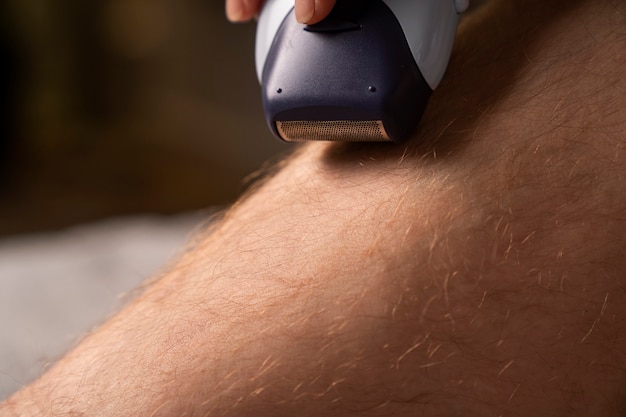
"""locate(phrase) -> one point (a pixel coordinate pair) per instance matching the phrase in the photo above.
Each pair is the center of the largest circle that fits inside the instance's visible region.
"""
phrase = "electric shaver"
(365, 73)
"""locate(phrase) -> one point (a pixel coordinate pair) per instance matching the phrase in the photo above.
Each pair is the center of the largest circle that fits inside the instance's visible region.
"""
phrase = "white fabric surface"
(55, 287)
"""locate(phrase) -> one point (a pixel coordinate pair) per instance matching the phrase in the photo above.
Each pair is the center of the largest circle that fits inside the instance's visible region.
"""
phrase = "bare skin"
(476, 271)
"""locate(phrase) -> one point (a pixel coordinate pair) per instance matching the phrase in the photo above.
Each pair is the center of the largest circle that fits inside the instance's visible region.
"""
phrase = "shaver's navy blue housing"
(356, 65)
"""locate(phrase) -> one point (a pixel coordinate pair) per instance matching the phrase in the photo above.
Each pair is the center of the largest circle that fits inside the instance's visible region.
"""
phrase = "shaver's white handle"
(429, 27)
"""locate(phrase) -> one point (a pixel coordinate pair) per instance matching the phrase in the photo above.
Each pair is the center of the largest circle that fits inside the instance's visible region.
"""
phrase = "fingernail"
(305, 10)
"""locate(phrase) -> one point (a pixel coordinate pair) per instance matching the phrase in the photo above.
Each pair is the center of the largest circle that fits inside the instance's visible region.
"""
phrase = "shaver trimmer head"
(365, 73)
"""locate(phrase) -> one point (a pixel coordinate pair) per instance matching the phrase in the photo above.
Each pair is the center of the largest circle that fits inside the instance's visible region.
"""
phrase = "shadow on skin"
(489, 54)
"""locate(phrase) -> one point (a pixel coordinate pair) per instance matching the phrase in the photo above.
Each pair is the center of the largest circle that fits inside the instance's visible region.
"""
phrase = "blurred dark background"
(116, 107)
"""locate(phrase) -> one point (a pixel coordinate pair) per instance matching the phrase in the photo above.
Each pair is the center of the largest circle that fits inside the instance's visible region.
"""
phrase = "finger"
(235, 10)
(312, 11)
(242, 10)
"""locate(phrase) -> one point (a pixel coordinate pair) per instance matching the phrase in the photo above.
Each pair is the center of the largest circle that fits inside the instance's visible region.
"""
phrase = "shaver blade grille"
(333, 130)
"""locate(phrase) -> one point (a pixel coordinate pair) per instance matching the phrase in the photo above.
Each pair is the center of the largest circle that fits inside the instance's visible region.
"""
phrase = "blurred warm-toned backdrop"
(115, 107)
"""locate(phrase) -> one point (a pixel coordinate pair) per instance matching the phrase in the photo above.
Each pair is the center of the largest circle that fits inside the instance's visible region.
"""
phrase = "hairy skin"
(476, 271)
